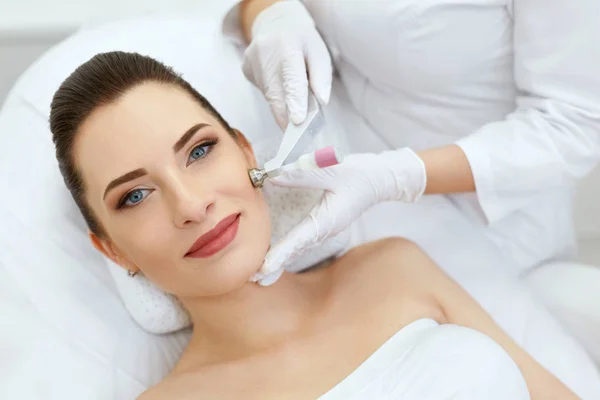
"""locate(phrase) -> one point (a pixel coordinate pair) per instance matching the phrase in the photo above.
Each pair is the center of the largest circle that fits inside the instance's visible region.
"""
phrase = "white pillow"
(43, 244)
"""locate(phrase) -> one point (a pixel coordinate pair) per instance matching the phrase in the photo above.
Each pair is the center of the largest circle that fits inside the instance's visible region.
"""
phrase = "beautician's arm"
(448, 170)
(552, 137)
(460, 309)
(249, 9)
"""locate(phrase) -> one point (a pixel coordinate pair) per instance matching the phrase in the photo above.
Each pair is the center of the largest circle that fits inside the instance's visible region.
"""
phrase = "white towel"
(427, 361)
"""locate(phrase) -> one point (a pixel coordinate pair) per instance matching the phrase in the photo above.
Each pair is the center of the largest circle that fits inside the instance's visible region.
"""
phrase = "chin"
(250, 263)
(234, 266)
(237, 267)
(249, 254)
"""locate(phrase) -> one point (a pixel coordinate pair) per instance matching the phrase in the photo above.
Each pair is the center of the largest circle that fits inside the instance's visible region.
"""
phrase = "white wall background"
(60, 13)
(29, 27)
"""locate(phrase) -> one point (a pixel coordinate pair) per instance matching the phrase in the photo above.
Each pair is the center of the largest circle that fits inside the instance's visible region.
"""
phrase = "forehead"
(135, 129)
(152, 110)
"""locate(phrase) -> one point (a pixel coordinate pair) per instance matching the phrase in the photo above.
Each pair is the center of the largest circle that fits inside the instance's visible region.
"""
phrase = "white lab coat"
(515, 83)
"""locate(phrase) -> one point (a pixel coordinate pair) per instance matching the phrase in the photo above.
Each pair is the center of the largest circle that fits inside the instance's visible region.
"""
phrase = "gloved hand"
(285, 47)
(351, 187)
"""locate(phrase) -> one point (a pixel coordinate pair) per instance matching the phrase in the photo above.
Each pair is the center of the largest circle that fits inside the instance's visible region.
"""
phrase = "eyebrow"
(137, 173)
(125, 178)
(187, 136)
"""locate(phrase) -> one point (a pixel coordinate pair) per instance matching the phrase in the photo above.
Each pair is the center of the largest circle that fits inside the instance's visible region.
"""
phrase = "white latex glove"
(287, 54)
(352, 187)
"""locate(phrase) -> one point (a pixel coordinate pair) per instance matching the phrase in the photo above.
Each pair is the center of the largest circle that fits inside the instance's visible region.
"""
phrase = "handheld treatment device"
(291, 154)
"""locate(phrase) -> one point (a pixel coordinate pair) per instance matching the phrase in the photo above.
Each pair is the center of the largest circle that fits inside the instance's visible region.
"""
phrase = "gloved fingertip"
(321, 74)
(297, 112)
(283, 123)
(270, 279)
(247, 70)
(323, 96)
(270, 265)
(256, 277)
(298, 117)
(280, 181)
(291, 178)
(280, 118)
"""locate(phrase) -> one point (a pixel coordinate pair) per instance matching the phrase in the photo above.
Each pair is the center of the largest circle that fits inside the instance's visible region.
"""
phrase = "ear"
(246, 148)
(107, 248)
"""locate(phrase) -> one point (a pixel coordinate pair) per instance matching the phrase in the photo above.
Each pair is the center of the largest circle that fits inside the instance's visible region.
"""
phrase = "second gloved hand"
(285, 57)
(352, 187)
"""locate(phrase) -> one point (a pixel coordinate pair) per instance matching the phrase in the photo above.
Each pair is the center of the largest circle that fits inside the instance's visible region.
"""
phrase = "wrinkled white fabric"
(425, 360)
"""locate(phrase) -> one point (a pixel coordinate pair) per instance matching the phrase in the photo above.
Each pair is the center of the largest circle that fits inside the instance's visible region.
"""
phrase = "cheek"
(151, 249)
(252, 197)
(235, 181)
(260, 223)
(255, 208)
(147, 244)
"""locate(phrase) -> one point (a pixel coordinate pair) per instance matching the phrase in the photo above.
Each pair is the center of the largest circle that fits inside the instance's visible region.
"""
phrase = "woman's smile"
(216, 239)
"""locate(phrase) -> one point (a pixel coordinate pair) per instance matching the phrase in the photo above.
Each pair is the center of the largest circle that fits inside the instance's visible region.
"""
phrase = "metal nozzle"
(257, 177)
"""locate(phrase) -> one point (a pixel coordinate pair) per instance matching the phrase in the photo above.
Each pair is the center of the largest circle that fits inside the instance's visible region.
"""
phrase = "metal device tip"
(257, 177)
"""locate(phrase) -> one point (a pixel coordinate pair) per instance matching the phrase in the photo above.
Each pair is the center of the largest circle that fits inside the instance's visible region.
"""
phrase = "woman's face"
(160, 174)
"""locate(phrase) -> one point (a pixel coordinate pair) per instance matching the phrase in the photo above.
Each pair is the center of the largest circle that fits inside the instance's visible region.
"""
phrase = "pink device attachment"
(321, 158)
(327, 156)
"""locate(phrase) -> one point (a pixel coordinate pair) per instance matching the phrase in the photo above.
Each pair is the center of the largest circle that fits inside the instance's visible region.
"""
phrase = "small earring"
(132, 273)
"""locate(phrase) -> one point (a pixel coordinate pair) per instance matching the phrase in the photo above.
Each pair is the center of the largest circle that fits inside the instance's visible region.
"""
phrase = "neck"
(254, 318)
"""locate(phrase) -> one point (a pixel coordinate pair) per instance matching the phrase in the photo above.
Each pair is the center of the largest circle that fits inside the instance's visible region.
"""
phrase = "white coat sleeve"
(553, 136)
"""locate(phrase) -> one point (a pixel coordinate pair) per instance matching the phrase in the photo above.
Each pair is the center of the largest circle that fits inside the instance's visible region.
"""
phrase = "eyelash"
(208, 144)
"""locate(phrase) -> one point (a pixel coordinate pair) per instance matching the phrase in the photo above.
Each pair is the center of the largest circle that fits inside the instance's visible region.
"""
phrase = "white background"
(20, 14)
(29, 27)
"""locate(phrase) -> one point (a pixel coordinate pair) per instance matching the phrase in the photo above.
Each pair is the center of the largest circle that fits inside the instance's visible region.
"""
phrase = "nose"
(190, 206)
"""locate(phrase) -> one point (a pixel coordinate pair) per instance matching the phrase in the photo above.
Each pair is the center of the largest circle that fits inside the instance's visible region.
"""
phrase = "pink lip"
(216, 239)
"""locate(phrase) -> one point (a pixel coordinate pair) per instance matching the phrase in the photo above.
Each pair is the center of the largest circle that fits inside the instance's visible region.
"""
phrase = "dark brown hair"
(102, 80)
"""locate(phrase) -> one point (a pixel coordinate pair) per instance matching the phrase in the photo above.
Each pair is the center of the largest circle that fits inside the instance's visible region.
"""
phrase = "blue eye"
(198, 152)
(134, 197)
(201, 151)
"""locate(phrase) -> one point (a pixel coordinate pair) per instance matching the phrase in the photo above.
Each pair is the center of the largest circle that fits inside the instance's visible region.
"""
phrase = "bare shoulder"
(392, 274)
(390, 257)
